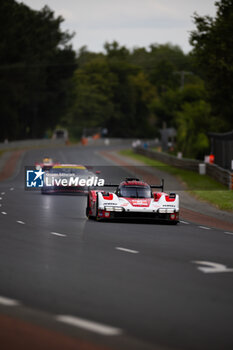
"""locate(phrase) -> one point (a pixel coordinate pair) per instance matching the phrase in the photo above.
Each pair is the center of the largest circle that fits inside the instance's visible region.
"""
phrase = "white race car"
(133, 199)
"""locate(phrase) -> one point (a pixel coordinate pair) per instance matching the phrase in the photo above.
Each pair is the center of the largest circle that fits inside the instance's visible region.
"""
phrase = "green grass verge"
(209, 190)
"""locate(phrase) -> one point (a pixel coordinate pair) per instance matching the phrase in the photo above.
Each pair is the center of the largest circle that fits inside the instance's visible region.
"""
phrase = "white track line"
(204, 227)
(58, 234)
(0, 198)
(229, 233)
(212, 267)
(184, 222)
(12, 189)
(89, 325)
(20, 222)
(4, 213)
(2, 193)
(8, 302)
(127, 250)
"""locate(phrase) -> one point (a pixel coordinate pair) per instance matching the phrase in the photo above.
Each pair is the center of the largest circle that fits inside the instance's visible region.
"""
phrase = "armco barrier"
(53, 142)
(113, 141)
(30, 143)
(189, 164)
(221, 175)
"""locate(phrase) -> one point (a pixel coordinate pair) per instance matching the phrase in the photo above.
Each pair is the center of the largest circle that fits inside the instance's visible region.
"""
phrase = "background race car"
(67, 178)
(133, 199)
(46, 164)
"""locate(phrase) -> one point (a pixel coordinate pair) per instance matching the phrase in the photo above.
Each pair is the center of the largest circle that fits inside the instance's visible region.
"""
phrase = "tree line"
(36, 66)
(132, 93)
(135, 93)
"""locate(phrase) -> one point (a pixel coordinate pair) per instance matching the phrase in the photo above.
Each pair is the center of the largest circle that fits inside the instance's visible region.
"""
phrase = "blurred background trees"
(125, 91)
(36, 65)
(132, 93)
(213, 53)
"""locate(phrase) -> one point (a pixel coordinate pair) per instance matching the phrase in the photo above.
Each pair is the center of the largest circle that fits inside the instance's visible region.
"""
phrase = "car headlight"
(108, 208)
(163, 210)
(118, 209)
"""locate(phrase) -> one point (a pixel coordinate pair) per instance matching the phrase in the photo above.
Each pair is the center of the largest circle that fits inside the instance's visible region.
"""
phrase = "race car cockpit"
(134, 191)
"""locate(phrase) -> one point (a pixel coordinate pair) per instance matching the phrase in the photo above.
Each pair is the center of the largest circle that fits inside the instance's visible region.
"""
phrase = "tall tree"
(36, 64)
(192, 122)
(213, 42)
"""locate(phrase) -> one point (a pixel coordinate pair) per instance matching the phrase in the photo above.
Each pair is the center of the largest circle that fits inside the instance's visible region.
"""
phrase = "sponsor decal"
(124, 204)
(105, 203)
(139, 202)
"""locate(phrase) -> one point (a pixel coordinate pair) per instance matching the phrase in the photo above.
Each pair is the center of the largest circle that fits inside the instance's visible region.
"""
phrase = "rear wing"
(126, 179)
(159, 186)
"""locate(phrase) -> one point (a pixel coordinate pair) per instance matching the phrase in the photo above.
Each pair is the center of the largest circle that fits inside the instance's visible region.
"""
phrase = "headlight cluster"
(161, 210)
(113, 209)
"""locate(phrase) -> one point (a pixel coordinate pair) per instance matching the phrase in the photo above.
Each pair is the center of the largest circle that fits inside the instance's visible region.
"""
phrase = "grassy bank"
(208, 189)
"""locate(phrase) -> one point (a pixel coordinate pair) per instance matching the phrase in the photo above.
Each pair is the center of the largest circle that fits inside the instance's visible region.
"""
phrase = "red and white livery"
(133, 199)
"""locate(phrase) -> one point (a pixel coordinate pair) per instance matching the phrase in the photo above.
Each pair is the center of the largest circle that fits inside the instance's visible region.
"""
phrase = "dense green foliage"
(121, 89)
(213, 50)
(36, 64)
(136, 93)
(132, 93)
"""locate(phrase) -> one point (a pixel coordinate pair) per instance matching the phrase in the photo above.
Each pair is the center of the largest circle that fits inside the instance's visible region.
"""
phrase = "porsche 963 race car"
(133, 199)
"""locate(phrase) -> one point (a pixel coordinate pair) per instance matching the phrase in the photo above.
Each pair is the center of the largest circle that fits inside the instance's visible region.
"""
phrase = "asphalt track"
(122, 285)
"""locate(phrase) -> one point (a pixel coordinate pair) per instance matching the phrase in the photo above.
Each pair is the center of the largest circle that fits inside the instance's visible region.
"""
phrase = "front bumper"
(137, 215)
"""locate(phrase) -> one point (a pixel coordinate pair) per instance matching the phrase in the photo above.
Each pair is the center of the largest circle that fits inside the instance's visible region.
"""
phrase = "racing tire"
(96, 209)
(87, 212)
(88, 209)
(173, 222)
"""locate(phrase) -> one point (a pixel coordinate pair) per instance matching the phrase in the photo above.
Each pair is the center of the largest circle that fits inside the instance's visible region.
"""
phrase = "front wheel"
(173, 222)
(87, 212)
(96, 210)
(88, 208)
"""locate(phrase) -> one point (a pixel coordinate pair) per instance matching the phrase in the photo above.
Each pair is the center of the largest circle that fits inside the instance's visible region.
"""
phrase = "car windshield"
(135, 192)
